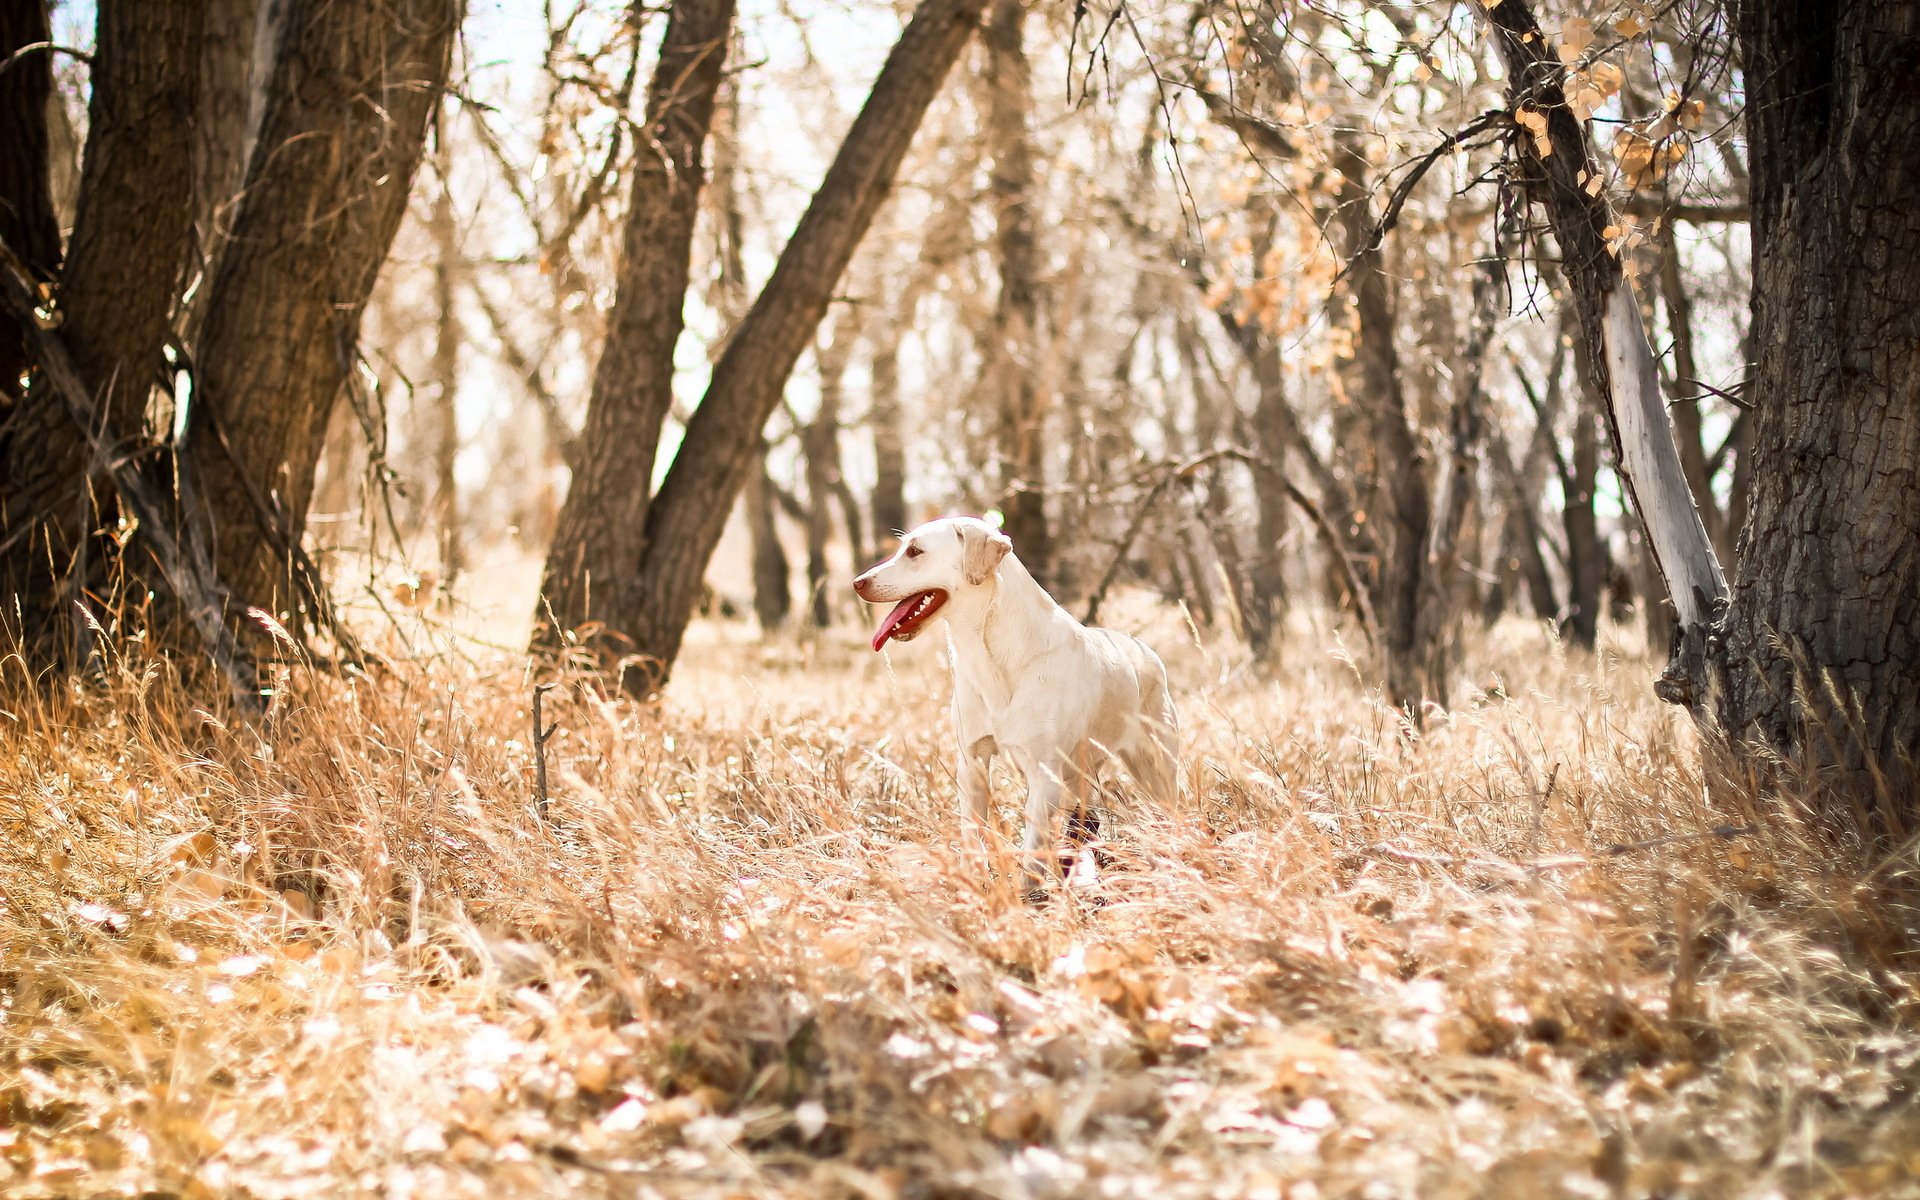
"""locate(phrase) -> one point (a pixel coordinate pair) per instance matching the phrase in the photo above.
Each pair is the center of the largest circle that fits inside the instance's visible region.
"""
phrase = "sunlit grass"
(741, 956)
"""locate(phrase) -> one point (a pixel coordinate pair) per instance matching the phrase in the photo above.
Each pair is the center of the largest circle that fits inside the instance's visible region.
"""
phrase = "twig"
(1731, 396)
(49, 47)
(540, 738)
(1498, 118)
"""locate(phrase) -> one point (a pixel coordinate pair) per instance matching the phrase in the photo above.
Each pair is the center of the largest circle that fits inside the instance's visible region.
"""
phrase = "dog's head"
(934, 562)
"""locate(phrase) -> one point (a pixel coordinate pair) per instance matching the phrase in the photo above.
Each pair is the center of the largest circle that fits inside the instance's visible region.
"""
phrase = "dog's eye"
(914, 552)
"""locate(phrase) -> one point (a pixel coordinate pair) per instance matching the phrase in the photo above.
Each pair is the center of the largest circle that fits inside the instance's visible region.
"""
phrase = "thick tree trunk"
(222, 138)
(1016, 325)
(346, 115)
(116, 294)
(688, 515)
(27, 223)
(1821, 641)
(594, 567)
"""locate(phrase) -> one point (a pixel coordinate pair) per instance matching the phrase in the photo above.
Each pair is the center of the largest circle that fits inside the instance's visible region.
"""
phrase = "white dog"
(1029, 681)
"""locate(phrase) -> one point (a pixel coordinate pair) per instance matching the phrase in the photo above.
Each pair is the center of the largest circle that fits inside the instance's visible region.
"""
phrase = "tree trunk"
(1821, 640)
(345, 119)
(1620, 360)
(820, 443)
(772, 600)
(1438, 616)
(594, 567)
(116, 294)
(1372, 378)
(27, 222)
(1586, 554)
(889, 502)
(687, 517)
(222, 138)
(1016, 326)
(447, 337)
(1521, 535)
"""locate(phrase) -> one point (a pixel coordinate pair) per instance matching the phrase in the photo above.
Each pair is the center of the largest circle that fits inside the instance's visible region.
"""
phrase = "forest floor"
(740, 957)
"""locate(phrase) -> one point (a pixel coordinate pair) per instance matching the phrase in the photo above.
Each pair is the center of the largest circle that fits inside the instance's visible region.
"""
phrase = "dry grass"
(741, 957)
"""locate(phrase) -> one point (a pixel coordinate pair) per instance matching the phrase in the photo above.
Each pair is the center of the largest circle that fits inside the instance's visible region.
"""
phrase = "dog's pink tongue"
(893, 620)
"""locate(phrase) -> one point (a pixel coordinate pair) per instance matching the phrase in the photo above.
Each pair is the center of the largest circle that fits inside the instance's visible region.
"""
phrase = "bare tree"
(594, 566)
(687, 515)
(345, 120)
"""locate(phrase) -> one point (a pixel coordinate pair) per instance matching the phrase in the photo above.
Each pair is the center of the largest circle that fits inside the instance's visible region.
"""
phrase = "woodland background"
(441, 753)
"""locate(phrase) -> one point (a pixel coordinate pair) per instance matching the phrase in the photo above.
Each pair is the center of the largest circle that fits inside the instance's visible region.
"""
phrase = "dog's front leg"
(976, 795)
(1046, 780)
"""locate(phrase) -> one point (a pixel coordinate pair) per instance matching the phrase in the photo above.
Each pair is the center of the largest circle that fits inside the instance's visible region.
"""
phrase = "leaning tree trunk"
(594, 566)
(689, 513)
(1821, 640)
(116, 297)
(1620, 359)
(1016, 326)
(349, 97)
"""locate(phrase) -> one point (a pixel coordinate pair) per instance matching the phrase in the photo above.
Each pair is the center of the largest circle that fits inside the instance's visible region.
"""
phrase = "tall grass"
(1517, 952)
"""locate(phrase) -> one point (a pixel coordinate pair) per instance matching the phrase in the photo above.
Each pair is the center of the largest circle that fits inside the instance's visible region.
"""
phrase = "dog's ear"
(981, 550)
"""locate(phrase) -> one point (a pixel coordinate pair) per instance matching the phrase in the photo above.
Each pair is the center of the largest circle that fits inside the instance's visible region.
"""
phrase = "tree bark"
(344, 124)
(594, 567)
(1522, 535)
(888, 422)
(772, 600)
(1016, 325)
(1372, 377)
(820, 446)
(689, 513)
(222, 138)
(27, 222)
(116, 293)
(1438, 617)
(1586, 553)
(447, 338)
(1821, 640)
